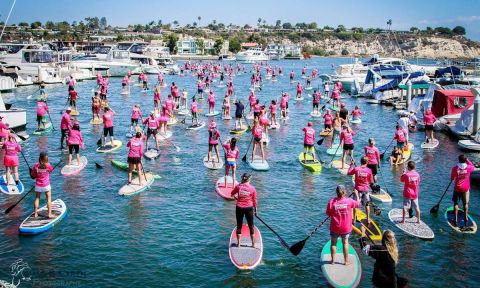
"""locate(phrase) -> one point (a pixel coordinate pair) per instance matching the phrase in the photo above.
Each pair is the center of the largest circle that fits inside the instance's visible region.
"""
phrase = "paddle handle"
(444, 192)
(15, 205)
(388, 147)
(331, 160)
(248, 148)
(318, 227)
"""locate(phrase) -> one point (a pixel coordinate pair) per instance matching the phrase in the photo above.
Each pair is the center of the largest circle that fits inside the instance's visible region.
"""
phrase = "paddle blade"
(177, 148)
(319, 142)
(99, 142)
(98, 166)
(9, 209)
(434, 209)
(244, 158)
(382, 155)
(298, 247)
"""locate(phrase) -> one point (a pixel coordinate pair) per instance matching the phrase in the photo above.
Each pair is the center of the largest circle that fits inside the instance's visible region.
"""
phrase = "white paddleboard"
(135, 187)
(213, 163)
(42, 223)
(257, 164)
(151, 154)
(161, 136)
(200, 125)
(74, 167)
(12, 188)
(422, 230)
(430, 145)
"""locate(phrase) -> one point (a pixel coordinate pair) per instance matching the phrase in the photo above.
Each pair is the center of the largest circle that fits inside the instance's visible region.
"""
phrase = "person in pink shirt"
(42, 109)
(356, 112)
(461, 175)
(327, 121)
(257, 132)
(411, 182)
(230, 88)
(263, 120)
(308, 141)
(135, 116)
(273, 112)
(316, 101)
(108, 125)
(213, 137)
(304, 71)
(292, 75)
(169, 104)
(10, 158)
(429, 119)
(257, 108)
(41, 173)
(226, 107)
(373, 156)
(4, 130)
(152, 124)
(65, 125)
(346, 137)
(284, 104)
(252, 99)
(163, 120)
(340, 211)
(134, 158)
(231, 156)
(246, 205)
(401, 137)
(157, 99)
(336, 98)
(211, 102)
(200, 89)
(194, 110)
(299, 91)
(74, 142)
(125, 82)
(363, 180)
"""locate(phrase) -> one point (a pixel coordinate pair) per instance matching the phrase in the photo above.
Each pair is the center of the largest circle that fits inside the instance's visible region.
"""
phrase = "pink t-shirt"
(41, 108)
(108, 119)
(213, 136)
(429, 119)
(309, 136)
(257, 132)
(193, 107)
(231, 153)
(372, 154)
(42, 175)
(252, 99)
(462, 177)
(400, 135)
(356, 112)
(257, 108)
(328, 119)
(11, 148)
(66, 121)
(316, 98)
(136, 113)
(247, 195)
(346, 136)
(411, 180)
(169, 104)
(211, 98)
(363, 177)
(156, 96)
(335, 95)
(74, 137)
(152, 122)
(135, 147)
(341, 213)
(273, 108)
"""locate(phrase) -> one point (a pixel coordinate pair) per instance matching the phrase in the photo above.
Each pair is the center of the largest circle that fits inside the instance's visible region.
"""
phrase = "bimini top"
(451, 101)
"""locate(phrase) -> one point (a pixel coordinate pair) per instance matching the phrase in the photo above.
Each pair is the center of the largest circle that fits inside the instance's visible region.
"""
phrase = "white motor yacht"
(252, 55)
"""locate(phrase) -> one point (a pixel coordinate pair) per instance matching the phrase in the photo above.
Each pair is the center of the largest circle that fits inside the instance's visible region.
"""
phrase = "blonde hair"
(389, 241)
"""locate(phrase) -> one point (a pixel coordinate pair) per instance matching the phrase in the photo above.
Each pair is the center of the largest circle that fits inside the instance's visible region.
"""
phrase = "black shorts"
(373, 167)
(238, 116)
(41, 119)
(347, 147)
(134, 160)
(64, 132)
(103, 96)
(307, 146)
(256, 114)
(257, 139)
(429, 127)
(124, 84)
(108, 131)
(151, 131)
(73, 102)
(70, 88)
(144, 82)
(134, 121)
(248, 213)
(75, 147)
(315, 105)
(327, 126)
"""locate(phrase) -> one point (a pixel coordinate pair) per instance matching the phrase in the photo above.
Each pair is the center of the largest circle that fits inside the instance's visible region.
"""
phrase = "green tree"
(92, 23)
(259, 20)
(278, 24)
(23, 24)
(171, 41)
(312, 25)
(234, 45)
(200, 45)
(120, 37)
(443, 30)
(218, 45)
(344, 52)
(103, 23)
(287, 25)
(340, 29)
(36, 25)
(459, 30)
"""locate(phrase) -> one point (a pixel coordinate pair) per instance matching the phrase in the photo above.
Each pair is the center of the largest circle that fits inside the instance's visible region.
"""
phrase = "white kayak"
(134, 187)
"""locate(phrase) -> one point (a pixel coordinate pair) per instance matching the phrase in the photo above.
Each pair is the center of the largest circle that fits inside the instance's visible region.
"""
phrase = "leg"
(333, 247)
(226, 174)
(254, 148)
(239, 216)
(48, 194)
(345, 250)
(234, 175)
(140, 173)
(218, 154)
(36, 204)
(130, 168)
(263, 151)
(249, 216)
(8, 175)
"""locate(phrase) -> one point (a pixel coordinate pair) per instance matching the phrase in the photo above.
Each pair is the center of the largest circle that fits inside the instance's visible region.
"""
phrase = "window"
(460, 102)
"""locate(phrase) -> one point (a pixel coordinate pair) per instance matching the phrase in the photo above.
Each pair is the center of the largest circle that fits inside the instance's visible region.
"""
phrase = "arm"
(234, 191)
(351, 170)
(453, 173)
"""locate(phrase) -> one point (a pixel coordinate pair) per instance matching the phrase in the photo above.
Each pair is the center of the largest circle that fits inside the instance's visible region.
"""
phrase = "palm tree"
(175, 23)
(259, 21)
(389, 24)
(199, 18)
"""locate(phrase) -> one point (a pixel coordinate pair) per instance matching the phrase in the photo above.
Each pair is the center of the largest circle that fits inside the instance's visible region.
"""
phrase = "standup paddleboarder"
(386, 256)
(213, 136)
(10, 158)
(340, 211)
(429, 119)
(246, 206)
(346, 137)
(308, 141)
(65, 125)
(74, 142)
(108, 125)
(239, 110)
(363, 180)
(42, 109)
(411, 181)
(373, 156)
(257, 132)
(231, 155)
(41, 173)
(135, 152)
(461, 175)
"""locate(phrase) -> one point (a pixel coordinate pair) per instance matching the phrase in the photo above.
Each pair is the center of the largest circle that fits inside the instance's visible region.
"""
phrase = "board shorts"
(327, 126)
(124, 84)
(152, 131)
(464, 196)
(347, 147)
(429, 127)
(10, 161)
(70, 88)
(72, 147)
(231, 163)
(315, 105)
(73, 102)
(256, 114)
(364, 197)
(39, 189)
(134, 160)
(41, 119)
(212, 145)
(401, 145)
(335, 236)
(237, 116)
(308, 148)
(374, 168)
(108, 131)
(410, 204)
(200, 90)
(248, 213)
(96, 109)
(64, 132)
(258, 140)
(134, 121)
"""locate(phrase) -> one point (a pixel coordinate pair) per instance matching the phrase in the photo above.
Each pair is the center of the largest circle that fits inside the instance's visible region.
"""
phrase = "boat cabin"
(452, 101)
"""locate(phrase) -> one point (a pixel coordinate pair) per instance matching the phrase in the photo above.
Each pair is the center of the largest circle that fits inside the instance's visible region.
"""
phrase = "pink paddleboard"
(246, 257)
(222, 191)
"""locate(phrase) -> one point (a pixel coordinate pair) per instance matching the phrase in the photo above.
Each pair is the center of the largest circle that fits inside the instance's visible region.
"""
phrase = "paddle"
(333, 156)
(246, 120)
(435, 208)
(19, 136)
(244, 158)
(171, 142)
(31, 95)
(28, 165)
(383, 154)
(49, 117)
(282, 241)
(143, 170)
(383, 180)
(31, 189)
(297, 247)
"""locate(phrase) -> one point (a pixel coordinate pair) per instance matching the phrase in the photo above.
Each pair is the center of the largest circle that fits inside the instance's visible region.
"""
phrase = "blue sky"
(366, 13)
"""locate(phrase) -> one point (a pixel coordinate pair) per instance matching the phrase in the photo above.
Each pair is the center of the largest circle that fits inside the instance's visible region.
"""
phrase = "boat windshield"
(38, 56)
(120, 55)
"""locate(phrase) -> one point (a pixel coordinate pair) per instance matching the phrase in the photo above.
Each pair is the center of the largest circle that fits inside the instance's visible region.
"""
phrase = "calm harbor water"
(176, 234)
